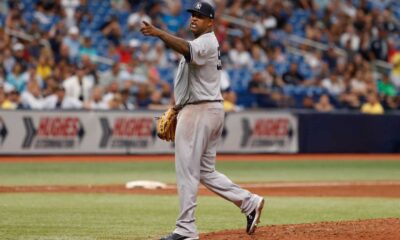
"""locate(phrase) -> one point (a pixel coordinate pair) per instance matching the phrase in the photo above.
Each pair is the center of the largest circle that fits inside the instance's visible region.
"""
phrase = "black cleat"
(175, 236)
(254, 217)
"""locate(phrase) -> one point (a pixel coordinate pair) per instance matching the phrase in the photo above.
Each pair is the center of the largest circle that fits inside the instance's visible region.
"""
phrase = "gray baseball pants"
(197, 133)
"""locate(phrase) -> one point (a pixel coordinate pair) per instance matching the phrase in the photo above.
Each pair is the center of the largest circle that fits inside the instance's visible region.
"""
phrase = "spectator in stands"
(44, 66)
(3, 98)
(308, 102)
(111, 75)
(230, 102)
(96, 101)
(348, 8)
(365, 30)
(14, 20)
(87, 48)
(225, 81)
(172, 17)
(143, 95)
(17, 78)
(116, 102)
(4, 39)
(239, 56)
(126, 51)
(139, 71)
(157, 83)
(5, 102)
(79, 85)
(333, 84)
(11, 100)
(50, 86)
(90, 68)
(372, 106)
(387, 92)
(314, 60)
(146, 53)
(258, 56)
(277, 55)
(35, 47)
(59, 100)
(349, 99)
(72, 41)
(136, 18)
(112, 30)
(273, 80)
(161, 58)
(358, 84)
(395, 73)
(330, 57)
(379, 46)
(126, 100)
(111, 90)
(292, 76)
(156, 101)
(351, 37)
(63, 70)
(56, 39)
(112, 53)
(20, 56)
(82, 12)
(63, 55)
(324, 104)
(2, 75)
(31, 98)
(258, 87)
(225, 48)
(8, 60)
(370, 81)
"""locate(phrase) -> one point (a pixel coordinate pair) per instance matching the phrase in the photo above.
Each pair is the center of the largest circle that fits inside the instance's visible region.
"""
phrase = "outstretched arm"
(178, 44)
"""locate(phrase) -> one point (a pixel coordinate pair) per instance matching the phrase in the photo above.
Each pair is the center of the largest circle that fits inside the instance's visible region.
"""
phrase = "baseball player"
(200, 122)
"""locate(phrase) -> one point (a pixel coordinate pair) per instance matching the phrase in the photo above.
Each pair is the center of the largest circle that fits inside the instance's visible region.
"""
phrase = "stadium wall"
(121, 132)
(349, 133)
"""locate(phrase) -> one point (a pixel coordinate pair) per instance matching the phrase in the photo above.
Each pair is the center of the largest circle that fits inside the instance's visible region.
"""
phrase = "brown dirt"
(374, 229)
(343, 189)
(220, 157)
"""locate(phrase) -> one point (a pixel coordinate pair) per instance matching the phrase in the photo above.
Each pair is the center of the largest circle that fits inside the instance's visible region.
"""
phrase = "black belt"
(203, 101)
(179, 107)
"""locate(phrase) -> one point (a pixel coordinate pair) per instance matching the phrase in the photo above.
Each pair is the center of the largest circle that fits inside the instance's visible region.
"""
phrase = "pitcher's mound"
(374, 229)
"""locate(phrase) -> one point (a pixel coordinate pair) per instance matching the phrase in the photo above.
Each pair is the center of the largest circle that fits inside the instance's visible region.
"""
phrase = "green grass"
(112, 216)
(28, 216)
(121, 172)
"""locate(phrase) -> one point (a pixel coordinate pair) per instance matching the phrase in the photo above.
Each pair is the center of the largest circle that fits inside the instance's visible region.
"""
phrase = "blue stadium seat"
(259, 66)
(246, 99)
(305, 70)
(281, 68)
(167, 74)
(123, 18)
(240, 79)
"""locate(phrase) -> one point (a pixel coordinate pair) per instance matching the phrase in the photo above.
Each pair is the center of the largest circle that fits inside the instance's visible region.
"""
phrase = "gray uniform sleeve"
(199, 51)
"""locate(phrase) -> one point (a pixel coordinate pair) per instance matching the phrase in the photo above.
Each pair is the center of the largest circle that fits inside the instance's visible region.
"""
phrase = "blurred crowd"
(303, 54)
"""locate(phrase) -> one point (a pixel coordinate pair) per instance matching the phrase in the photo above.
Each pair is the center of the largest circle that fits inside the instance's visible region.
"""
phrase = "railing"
(378, 65)
(30, 38)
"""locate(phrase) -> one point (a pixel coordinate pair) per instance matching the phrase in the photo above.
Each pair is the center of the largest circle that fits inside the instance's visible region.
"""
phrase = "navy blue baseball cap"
(203, 8)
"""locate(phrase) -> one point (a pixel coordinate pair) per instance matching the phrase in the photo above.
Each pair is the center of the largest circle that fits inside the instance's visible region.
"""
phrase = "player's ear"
(210, 22)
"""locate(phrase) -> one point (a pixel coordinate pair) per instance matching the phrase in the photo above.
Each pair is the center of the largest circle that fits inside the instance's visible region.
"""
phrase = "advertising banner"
(260, 132)
(75, 132)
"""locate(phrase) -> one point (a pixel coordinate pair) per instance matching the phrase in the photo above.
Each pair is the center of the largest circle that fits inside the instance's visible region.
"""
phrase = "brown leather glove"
(166, 125)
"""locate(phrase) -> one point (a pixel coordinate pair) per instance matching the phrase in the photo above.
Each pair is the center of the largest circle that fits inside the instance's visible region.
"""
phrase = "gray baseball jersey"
(198, 78)
(198, 132)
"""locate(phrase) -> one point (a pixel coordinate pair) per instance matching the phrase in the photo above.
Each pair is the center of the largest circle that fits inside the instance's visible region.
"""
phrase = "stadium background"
(299, 77)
